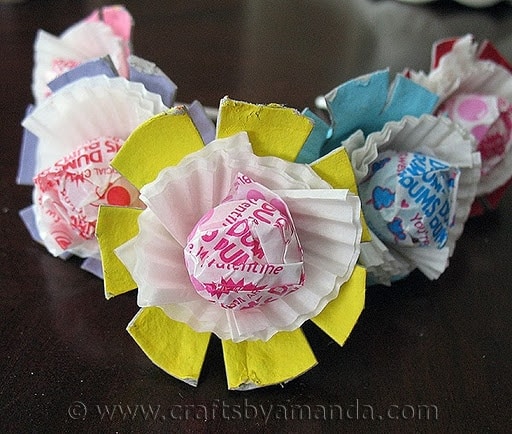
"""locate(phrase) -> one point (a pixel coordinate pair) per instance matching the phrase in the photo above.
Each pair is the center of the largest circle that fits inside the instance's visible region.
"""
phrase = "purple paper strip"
(29, 219)
(156, 83)
(27, 160)
(203, 123)
(102, 66)
(93, 266)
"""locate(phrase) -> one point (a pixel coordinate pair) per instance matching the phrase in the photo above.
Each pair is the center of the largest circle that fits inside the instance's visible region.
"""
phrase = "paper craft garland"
(248, 227)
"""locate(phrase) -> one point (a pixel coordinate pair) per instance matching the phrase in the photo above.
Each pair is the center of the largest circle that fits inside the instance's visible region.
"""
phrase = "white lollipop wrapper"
(69, 193)
(409, 199)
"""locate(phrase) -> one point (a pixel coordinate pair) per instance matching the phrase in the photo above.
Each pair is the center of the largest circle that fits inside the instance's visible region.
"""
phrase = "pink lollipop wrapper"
(489, 119)
(245, 252)
(69, 193)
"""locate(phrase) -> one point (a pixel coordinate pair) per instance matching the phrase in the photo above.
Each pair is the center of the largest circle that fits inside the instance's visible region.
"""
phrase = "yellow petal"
(252, 364)
(340, 315)
(161, 141)
(336, 169)
(114, 227)
(171, 345)
(272, 129)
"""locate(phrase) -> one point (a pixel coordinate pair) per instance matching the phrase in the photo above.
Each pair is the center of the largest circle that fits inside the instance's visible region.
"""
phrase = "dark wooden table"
(425, 356)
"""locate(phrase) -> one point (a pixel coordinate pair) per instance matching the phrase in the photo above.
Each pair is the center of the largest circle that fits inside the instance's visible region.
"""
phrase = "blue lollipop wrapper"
(409, 199)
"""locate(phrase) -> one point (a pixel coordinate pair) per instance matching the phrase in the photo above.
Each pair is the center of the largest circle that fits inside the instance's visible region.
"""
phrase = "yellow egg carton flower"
(236, 240)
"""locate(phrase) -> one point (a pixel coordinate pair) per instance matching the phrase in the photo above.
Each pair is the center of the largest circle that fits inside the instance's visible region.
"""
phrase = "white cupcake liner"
(436, 137)
(88, 108)
(382, 265)
(206, 187)
(326, 220)
(460, 71)
(81, 42)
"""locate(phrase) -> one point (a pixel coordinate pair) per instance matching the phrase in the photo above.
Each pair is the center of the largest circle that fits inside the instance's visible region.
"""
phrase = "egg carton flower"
(235, 240)
(78, 130)
(413, 190)
(417, 180)
(105, 32)
(474, 83)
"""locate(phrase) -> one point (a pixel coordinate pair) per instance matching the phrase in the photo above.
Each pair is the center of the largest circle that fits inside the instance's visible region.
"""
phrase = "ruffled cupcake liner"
(106, 32)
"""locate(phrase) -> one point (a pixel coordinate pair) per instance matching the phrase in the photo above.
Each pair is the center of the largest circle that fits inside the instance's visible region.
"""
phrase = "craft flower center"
(245, 252)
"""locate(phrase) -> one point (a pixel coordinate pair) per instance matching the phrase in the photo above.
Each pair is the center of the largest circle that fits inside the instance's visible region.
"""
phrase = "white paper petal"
(460, 71)
(431, 262)
(156, 263)
(434, 136)
(328, 227)
(382, 266)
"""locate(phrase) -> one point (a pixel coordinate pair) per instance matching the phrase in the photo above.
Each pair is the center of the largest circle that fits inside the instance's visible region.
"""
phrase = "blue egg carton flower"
(365, 103)
(370, 115)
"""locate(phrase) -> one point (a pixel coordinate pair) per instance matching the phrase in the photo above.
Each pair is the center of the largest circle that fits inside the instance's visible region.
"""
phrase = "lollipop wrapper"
(489, 119)
(409, 198)
(67, 195)
(434, 136)
(245, 252)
